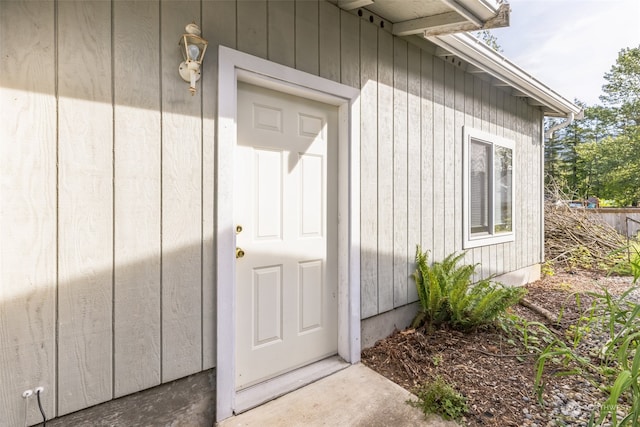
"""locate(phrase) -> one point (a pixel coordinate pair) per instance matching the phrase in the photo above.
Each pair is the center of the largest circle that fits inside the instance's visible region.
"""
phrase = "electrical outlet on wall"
(39, 389)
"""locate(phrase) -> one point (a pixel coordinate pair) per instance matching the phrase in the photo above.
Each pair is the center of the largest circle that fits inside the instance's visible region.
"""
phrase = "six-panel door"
(286, 205)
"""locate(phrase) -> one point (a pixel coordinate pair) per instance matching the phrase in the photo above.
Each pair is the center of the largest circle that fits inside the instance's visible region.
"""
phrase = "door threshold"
(271, 389)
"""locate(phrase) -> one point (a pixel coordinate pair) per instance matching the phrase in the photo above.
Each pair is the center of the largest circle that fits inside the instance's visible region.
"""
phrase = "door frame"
(232, 67)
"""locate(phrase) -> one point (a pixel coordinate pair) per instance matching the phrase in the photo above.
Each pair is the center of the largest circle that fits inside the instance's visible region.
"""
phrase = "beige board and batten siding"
(108, 190)
(27, 206)
(107, 203)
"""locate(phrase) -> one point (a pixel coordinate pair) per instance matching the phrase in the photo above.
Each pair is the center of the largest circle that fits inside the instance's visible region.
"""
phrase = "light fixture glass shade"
(194, 52)
(193, 48)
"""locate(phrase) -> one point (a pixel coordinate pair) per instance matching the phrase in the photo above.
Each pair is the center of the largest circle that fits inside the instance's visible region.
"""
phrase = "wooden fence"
(625, 220)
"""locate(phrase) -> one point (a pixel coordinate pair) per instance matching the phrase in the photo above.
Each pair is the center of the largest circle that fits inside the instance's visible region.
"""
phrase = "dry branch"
(575, 237)
(549, 316)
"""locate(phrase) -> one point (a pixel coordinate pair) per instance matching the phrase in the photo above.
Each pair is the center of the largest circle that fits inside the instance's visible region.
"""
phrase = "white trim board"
(234, 66)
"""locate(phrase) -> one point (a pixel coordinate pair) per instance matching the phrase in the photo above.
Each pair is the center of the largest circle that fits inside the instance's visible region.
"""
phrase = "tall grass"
(619, 357)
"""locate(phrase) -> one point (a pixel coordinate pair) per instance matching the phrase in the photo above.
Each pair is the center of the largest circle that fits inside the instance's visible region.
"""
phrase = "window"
(488, 189)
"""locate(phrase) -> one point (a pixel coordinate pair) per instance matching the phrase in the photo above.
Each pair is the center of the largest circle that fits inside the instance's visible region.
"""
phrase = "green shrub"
(440, 398)
(447, 294)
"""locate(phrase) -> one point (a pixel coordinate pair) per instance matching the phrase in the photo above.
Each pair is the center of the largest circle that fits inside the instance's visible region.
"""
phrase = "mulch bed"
(482, 365)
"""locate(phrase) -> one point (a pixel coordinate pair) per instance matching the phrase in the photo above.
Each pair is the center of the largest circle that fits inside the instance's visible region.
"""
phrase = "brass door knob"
(239, 253)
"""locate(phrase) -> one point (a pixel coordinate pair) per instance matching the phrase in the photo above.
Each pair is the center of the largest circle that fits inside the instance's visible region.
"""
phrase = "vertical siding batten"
(307, 36)
(251, 18)
(448, 208)
(513, 126)
(500, 132)
(350, 50)
(485, 126)
(181, 204)
(439, 196)
(459, 122)
(281, 32)
(414, 162)
(329, 50)
(369, 169)
(469, 122)
(521, 237)
(539, 138)
(136, 199)
(532, 190)
(535, 183)
(219, 27)
(491, 268)
(400, 173)
(86, 205)
(385, 171)
(477, 124)
(427, 154)
(28, 213)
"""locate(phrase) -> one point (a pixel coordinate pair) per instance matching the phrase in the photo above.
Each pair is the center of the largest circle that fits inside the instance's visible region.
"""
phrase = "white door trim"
(233, 66)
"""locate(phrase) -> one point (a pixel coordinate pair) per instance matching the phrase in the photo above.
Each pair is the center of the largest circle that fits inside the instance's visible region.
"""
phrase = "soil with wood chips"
(487, 366)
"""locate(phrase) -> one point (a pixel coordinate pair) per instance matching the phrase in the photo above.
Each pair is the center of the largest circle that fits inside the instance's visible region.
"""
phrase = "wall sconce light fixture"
(193, 48)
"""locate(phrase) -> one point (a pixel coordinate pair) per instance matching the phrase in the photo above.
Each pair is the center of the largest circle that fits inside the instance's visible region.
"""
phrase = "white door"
(285, 197)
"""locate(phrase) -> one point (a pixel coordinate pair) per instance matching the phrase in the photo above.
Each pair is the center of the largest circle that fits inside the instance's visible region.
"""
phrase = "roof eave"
(477, 53)
(461, 15)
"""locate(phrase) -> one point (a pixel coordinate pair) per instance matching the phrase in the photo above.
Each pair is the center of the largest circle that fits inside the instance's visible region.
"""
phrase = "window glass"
(488, 190)
(503, 190)
(479, 169)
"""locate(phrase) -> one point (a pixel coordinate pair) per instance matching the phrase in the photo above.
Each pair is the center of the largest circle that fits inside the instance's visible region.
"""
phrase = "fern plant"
(447, 295)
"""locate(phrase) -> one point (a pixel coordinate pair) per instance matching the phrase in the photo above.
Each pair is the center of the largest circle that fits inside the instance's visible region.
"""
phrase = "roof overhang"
(481, 59)
(446, 23)
(434, 17)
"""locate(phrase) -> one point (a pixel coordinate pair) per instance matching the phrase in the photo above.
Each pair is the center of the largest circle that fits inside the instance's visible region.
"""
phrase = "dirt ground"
(483, 365)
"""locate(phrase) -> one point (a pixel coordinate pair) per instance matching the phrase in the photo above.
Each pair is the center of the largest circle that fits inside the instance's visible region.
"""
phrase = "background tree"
(622, 90)
(489, 39)
(600, 154)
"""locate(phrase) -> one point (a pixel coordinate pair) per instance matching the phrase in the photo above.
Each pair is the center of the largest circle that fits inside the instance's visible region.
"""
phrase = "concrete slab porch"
(356, 396)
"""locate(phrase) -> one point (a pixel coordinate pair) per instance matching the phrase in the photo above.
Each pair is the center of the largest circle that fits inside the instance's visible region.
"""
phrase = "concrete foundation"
(520, 277)
(381, 326)
(187, 402)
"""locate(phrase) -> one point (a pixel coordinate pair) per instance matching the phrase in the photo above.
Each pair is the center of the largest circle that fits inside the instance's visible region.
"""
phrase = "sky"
(569, 45)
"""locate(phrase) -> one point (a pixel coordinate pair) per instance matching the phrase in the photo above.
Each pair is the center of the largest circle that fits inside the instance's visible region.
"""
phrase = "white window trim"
(477, 241)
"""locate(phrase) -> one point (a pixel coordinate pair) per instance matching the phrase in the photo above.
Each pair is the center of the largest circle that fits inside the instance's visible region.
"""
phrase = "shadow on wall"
(185, 402)
(105, 333)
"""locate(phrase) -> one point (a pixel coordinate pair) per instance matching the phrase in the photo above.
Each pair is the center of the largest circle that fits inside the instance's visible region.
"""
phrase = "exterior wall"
(107, 180)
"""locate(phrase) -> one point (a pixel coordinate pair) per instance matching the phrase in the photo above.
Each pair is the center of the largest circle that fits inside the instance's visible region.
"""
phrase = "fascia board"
(478, 54)
(483, 9)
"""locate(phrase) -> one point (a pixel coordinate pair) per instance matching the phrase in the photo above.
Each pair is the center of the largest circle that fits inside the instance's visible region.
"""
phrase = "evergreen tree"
(600, 154)
(622, 90)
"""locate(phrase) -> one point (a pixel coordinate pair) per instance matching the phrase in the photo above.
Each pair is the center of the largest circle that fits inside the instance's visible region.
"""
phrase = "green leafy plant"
(615, 367)
(437, 360)
(533, 336)
(547, 269)
(442, 399)
(634, 262)
(447, 294)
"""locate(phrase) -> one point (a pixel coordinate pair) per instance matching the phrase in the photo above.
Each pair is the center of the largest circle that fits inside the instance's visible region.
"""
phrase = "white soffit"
(433, 17)
(484, 59)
